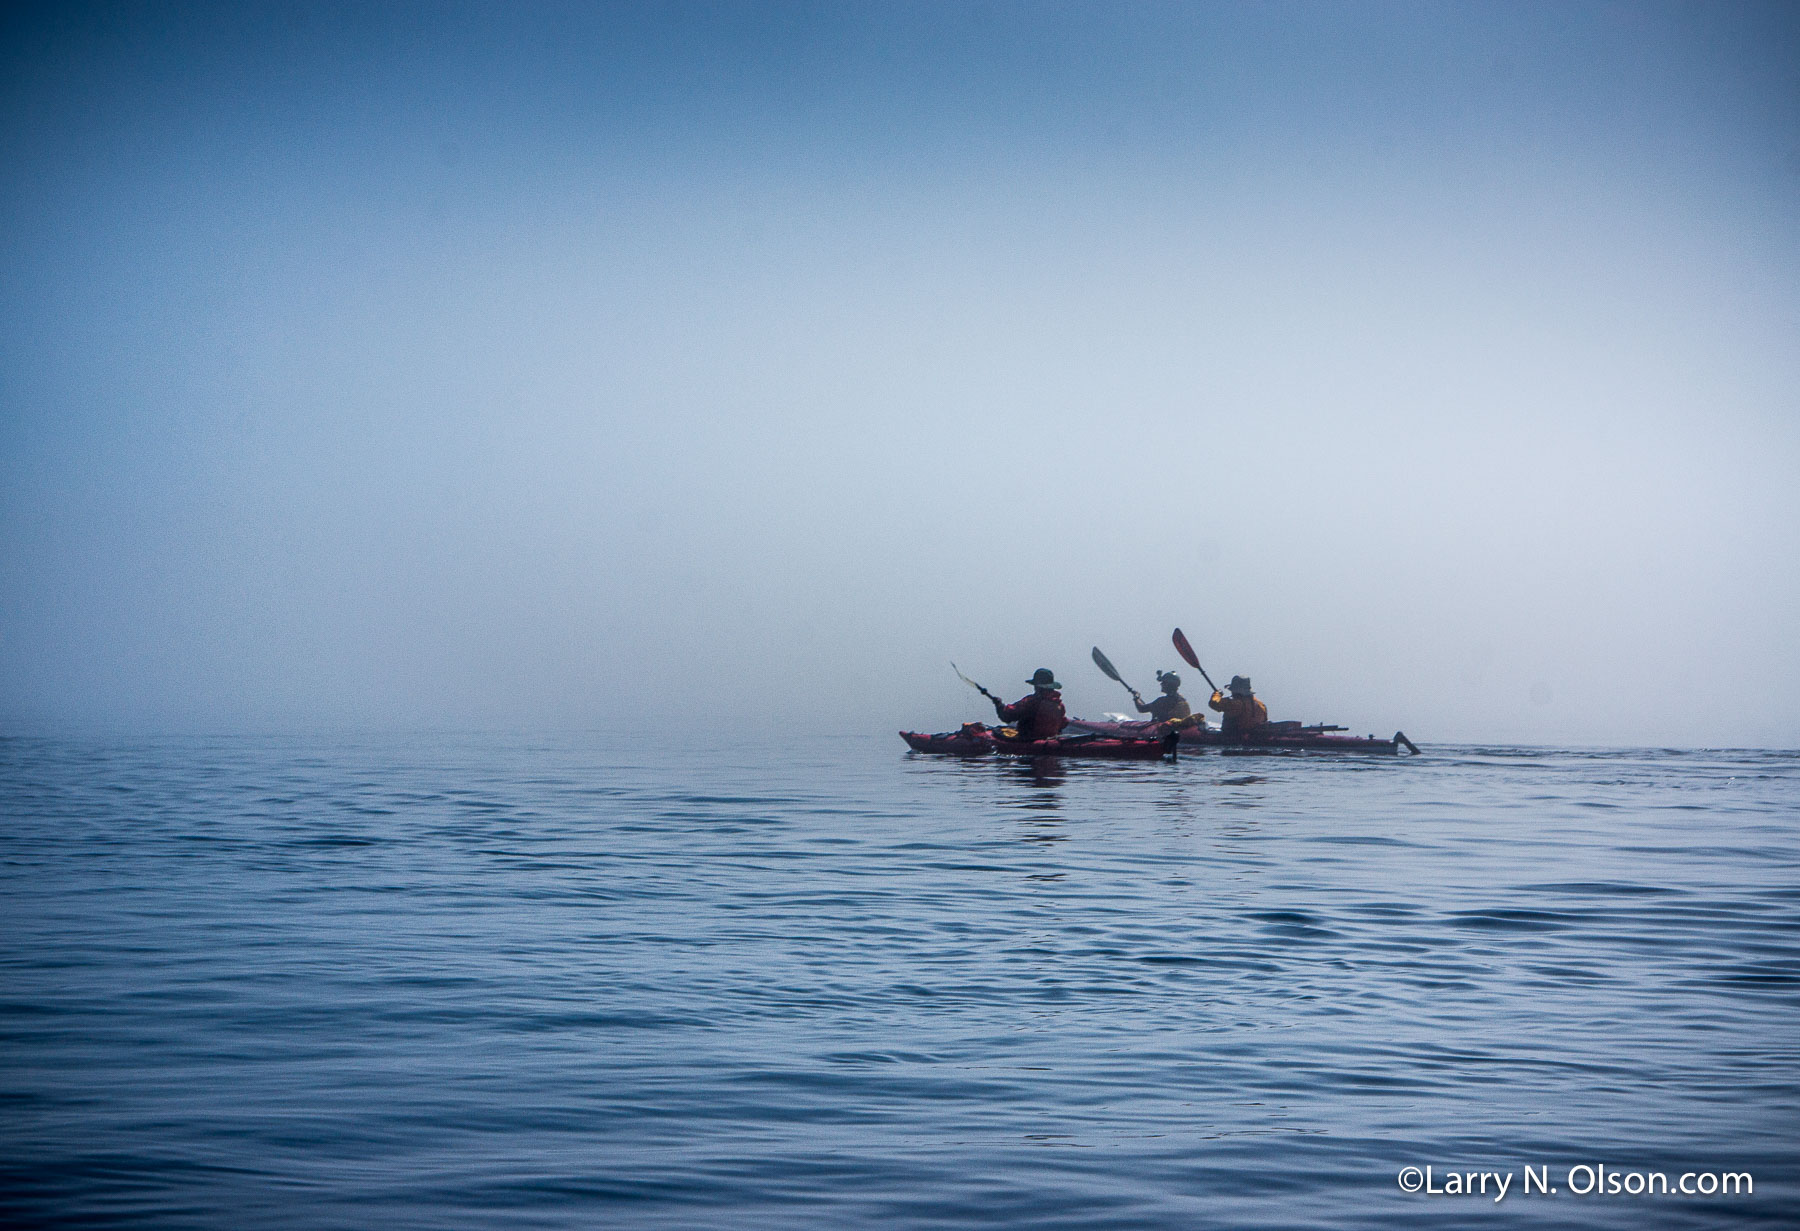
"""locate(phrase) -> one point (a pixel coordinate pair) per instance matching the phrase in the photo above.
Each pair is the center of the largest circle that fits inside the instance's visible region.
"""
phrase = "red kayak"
(1276, 737)
(976, 740)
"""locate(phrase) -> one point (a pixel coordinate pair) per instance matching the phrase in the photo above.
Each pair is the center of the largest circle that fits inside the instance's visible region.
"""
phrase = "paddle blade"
(971, 683)
(1186, 651)
(1101, 662)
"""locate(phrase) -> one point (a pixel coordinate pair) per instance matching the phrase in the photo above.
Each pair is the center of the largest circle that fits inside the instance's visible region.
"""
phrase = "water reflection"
(1047, 774)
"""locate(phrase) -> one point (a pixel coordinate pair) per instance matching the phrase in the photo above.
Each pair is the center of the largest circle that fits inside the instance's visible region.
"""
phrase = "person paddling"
(1040, 715)
(1169, 707)
(1243, 715)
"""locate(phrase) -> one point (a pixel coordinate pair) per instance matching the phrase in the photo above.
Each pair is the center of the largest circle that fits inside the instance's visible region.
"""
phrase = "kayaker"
(1243, 714)
(1040, 715)
(1169, 707)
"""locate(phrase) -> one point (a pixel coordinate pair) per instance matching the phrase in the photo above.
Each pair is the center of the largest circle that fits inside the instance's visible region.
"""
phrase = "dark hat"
(1239, 683)
(1043, 677)
(1169, 680)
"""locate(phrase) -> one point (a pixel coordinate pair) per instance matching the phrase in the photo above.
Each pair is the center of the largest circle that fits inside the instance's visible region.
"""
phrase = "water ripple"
(561, 984)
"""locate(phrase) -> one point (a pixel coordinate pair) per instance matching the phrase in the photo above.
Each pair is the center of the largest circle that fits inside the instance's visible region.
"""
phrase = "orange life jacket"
(1242, 715)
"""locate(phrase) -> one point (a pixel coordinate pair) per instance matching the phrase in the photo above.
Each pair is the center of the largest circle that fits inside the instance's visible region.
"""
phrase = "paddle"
(1187, 651)
(972, 684)
(1100, 661)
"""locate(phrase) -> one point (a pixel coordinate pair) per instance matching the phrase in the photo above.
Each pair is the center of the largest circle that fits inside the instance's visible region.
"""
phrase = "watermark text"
(1580, 1180)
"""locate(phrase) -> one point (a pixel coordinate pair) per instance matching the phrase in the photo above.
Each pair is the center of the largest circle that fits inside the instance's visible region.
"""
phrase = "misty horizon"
(737, 367)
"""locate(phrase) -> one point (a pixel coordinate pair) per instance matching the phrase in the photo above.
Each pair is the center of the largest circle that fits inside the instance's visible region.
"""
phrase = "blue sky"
(1435, 365)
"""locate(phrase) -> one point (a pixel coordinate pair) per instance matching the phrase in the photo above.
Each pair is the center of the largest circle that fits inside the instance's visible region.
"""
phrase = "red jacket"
(1039, 716)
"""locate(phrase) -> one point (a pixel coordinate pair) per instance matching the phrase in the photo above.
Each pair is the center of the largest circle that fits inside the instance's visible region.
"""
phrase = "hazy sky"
(739, 365)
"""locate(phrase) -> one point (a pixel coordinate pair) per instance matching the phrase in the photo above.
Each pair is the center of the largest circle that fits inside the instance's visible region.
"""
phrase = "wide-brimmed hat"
(1239, 683)
(1043, 677)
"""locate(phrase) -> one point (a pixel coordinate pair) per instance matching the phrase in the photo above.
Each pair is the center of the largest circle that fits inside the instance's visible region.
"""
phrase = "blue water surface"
(446, 982)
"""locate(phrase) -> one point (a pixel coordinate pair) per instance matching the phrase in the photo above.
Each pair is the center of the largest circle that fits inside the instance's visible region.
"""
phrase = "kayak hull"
(1099, 747)
(1284, 737)
(950, 743)
(1191, 737)
(974, 740)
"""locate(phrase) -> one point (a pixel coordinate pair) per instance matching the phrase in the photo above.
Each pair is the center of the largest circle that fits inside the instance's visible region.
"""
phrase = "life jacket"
(1242, 715)
(1166, 708)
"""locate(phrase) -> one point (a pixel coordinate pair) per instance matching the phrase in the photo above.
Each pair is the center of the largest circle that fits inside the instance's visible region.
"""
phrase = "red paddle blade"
(1185, 650)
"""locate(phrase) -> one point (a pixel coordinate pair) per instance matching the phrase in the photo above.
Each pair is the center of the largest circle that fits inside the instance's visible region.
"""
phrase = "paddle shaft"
(972, 684)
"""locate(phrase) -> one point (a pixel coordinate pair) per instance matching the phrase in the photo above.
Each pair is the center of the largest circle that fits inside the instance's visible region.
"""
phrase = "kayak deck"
(976, 740)
(949, 743)
(1278, 737)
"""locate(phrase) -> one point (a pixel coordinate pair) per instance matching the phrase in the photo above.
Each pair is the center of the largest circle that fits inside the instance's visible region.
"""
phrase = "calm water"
(457, 983)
